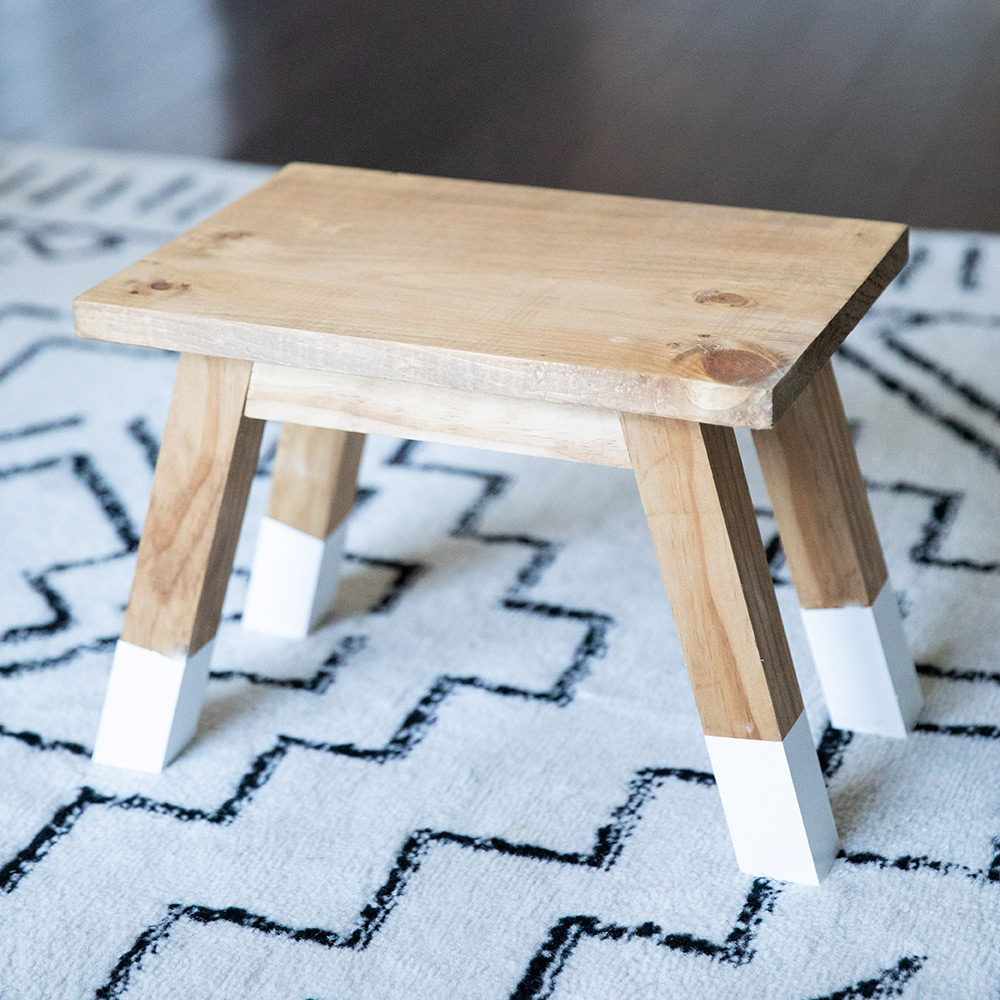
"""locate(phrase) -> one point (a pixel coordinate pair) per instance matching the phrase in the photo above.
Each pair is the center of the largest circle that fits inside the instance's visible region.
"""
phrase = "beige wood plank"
(207, 462)
(698, 312)
(700, 516)
(315, 478)
(820, 501)
(430, 413)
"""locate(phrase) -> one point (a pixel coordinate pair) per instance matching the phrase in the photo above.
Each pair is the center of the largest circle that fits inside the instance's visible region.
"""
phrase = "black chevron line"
(914, 863)
(18, 178)
(45, 239)
(888, 983)
(966, 391)
(39, 465)
(140, 432)
(320, 681)
(540, 977)
(832, 750)
(919, 402)
(973, 676)
(65, 184)
(406, 574)
(910, 862)
(48, 836)
(944, 510)
(982, 732)
(835, 742)
(60, 241)
(408, 735)
(215, 196)
(57, 343)
(34, 430)
(923, 317)
(165, 192)
(111, 191)
(969, 274)
(607, 846)
(58, 660)
(29, 310)
(918, 259)
(543, 553)
(423, 716)
(37, 742)
(85, 471)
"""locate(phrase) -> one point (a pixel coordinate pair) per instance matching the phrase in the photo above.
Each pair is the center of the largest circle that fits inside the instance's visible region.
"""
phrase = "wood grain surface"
(820, 501)
(697, 312)
(207, 461)
(315, 478)
(701, 518)
(431, 413)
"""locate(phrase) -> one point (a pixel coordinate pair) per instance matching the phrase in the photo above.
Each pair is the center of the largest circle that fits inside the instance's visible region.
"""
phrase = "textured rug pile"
(485, 778)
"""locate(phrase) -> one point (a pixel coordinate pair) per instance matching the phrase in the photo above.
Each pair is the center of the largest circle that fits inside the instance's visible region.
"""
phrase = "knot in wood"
(718, 298)
(736, 367)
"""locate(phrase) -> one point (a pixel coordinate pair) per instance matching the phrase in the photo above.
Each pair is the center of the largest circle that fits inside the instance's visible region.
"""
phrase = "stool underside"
(698, 312)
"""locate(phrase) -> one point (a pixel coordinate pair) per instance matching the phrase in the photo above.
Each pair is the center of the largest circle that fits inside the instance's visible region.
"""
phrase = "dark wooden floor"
(888, 109)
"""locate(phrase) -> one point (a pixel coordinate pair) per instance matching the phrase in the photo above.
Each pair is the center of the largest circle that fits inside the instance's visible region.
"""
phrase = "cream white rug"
(486, 778)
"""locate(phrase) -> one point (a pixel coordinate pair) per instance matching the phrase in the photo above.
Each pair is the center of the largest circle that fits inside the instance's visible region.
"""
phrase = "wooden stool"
(619, 331)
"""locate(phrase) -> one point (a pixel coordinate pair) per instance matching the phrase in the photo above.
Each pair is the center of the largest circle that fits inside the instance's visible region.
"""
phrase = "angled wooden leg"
(160, 669)
(701, 519)
(296, 565)
(850, 613)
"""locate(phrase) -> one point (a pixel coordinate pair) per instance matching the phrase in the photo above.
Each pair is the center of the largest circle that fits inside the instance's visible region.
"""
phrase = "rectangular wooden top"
(692, 311)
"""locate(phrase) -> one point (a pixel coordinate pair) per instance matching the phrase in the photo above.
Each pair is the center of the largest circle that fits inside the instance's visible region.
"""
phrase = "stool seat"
(618, 331)
(697, 312)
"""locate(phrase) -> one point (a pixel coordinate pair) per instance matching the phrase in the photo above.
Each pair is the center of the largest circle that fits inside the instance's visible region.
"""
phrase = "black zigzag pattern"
(540, 979)
(543, 971)
(608, 842)
(568, 932)
(92, 186)
(61, 243)
(83, 469)
(412, 730)
(889, 982)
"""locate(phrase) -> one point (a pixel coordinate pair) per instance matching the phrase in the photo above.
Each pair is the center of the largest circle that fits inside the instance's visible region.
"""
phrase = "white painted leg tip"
(293, 581)
(151, 707)
(776, 805)
(865, 667)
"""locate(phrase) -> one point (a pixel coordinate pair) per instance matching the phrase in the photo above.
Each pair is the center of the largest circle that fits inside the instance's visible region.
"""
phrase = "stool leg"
(296, 566)
(701, 518)
(850, 613)
(160, 669)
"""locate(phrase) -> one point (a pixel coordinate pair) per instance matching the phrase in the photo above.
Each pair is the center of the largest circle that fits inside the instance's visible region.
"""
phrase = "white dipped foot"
(293, 580)
(865, 666)
(776, 805)
(151, 707)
